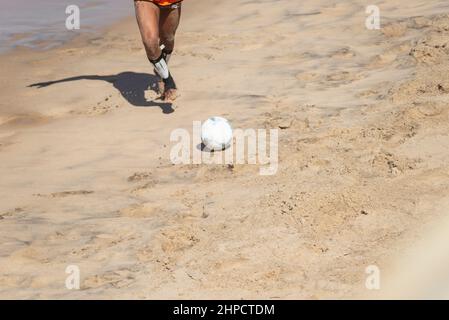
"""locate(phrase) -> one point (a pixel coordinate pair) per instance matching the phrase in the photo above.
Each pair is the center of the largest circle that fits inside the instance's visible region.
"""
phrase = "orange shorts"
(164, 3)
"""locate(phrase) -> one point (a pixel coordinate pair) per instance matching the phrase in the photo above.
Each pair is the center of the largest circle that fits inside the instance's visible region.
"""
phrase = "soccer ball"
(216, 134)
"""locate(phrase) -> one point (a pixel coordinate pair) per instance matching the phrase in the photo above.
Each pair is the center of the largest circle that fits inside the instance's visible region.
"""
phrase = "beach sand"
(86, 177)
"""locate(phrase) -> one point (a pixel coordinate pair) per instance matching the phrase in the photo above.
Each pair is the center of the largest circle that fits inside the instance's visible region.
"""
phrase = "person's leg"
(168, 24)
(147, 14)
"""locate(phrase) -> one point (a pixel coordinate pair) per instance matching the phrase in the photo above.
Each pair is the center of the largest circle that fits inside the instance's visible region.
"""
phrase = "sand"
(86, 177)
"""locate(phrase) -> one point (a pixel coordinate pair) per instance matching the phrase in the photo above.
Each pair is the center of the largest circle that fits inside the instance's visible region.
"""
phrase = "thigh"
(169, 22)
(148, 15)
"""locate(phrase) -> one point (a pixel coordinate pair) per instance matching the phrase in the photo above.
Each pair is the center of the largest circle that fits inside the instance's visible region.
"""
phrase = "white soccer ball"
(216, 134)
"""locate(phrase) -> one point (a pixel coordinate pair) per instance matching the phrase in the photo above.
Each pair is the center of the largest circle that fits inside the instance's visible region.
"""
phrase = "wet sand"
(41, 24)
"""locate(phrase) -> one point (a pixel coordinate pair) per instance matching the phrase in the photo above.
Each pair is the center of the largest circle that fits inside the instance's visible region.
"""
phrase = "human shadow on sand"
(131, 85)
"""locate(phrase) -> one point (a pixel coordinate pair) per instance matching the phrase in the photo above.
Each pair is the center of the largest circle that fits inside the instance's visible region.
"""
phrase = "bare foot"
(170, 94)
(170, 90)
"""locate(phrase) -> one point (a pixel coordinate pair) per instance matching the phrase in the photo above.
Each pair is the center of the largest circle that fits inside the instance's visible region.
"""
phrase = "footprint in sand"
(342, 77)
(168, 247)
(344, 52)
(176, 240)
(140, 210)
(118, 279)
(140, 176)
(145, 179)
(64, 194)
(392, 165)
(306, 77)
(383, 59)
(232, 263)
(12, 213)
(98, 245)
(33, 252)
(431, 50)
(394, 30)
(430, 109)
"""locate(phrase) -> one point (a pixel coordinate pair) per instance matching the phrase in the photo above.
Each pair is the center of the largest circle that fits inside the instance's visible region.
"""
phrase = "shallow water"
(41, 24)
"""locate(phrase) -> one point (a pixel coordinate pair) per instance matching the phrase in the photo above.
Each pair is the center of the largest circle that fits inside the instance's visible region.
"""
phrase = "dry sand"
(363, 160)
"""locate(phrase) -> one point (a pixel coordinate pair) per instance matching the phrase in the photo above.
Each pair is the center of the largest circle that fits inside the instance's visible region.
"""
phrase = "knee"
(168, 40)
(151, 43)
